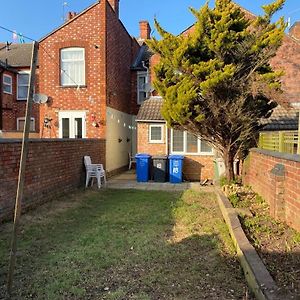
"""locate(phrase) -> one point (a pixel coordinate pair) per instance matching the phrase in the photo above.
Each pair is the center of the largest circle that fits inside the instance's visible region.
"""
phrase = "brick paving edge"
(258, 278)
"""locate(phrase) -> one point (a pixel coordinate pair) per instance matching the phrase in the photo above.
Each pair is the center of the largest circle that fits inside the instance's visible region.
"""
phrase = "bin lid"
(142, 155)
(176, 157)
(160, 157)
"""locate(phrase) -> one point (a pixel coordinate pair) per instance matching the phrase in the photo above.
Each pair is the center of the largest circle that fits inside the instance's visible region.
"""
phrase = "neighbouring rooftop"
(151, 110)
(16, 55)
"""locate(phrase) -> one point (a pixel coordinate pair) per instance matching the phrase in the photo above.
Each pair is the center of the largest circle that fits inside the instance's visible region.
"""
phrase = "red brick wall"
(13, 108)
(288, 60)
(195, 167)
(108, 57)
(87, 31)
(121, 51)
(281, 192)
(143, 145)
(198, 167)
(54, 167)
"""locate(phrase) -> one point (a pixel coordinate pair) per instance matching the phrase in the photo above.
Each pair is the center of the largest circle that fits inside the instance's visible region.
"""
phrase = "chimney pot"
(115, 6)
(71, 15)
(145, 30)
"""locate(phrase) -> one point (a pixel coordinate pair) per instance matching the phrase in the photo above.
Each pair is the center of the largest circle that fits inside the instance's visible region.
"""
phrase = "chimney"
(295, 30)
(115, 6)
(145, 30)
(71, 15)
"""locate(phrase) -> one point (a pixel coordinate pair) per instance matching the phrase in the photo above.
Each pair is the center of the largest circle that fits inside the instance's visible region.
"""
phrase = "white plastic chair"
(94, 171)
(131, 160)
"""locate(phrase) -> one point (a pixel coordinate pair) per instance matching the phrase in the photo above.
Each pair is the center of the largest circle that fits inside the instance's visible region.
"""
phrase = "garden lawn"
(124, 244)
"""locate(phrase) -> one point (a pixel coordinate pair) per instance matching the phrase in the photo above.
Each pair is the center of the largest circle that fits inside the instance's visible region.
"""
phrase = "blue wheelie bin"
(175, 168)
(142, 167)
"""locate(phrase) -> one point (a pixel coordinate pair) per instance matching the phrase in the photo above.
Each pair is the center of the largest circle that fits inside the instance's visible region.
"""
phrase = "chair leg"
(129, 167)
(87, 181)
(99, 182)
(104, 177)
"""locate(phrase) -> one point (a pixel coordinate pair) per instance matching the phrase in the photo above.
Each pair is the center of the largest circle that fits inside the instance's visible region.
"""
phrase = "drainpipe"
(1, 96)
(167, 140)
(296, 105)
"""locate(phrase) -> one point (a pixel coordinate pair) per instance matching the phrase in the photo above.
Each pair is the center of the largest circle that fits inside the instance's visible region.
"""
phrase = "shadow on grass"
(126, 245)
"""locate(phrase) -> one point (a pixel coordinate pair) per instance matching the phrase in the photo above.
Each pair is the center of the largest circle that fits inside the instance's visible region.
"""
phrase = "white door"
(72, 124)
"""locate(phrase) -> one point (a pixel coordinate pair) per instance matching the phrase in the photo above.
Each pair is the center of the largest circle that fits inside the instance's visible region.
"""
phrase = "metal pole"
(298, 144)
(22, 168)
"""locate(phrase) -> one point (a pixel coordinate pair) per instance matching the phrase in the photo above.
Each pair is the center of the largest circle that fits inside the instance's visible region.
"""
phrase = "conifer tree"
(216, 81)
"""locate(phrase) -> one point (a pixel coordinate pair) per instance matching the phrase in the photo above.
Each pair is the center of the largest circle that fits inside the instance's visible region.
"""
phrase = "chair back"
(131, 157)
(87, 161)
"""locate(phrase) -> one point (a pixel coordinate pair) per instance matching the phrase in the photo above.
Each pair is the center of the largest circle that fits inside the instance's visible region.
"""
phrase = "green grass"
(124, 245)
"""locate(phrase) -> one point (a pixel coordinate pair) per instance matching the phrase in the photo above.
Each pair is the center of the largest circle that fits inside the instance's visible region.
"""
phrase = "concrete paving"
(127, 180)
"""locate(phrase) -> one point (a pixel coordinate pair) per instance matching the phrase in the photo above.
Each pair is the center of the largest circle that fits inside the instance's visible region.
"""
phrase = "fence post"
(281, 141)
(260, 141)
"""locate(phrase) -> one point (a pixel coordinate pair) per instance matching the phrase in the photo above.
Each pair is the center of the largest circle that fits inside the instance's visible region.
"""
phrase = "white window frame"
(73, 84)
(161, 141)
(72, 115)
(146, 75)
(21, 73)
(6, 84)
(184, 152)
(23, 119)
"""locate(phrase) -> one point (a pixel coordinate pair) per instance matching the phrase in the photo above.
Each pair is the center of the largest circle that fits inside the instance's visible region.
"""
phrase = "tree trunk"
(228, 157)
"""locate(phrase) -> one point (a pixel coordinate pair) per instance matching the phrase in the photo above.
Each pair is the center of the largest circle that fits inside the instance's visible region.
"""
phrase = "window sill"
(73, 86)
(7, 93)
(156, 142)
(193, 154)
(22, 99)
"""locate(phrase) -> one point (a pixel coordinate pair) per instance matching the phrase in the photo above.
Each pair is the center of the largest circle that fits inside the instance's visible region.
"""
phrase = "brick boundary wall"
(276, 177)
(54, 168)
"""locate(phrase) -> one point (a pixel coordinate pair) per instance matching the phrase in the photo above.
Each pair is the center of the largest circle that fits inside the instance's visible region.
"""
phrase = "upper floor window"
(23, 85)
(7, 84)
(142, 87)
(183, 142)
(72, 61)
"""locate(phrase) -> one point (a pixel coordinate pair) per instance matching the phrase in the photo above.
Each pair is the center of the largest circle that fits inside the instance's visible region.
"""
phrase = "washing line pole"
(22, 169)
(298, 145)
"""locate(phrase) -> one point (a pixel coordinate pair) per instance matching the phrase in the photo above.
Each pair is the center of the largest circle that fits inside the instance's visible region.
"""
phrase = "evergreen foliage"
(216, 79)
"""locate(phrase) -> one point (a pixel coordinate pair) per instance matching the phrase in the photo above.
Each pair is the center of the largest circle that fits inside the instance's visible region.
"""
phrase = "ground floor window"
(156, 134)
(183, 142)
(72, 124)
(21, 124)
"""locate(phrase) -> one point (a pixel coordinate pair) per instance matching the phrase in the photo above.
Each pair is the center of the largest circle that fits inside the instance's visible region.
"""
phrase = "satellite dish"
(40, 98)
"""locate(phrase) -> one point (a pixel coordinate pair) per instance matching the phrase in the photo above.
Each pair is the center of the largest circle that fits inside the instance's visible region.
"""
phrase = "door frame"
(72, 114)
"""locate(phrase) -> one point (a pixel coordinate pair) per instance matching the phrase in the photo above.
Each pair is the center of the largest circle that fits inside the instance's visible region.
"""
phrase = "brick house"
(15, 60)
(88, 71)
(155, 138)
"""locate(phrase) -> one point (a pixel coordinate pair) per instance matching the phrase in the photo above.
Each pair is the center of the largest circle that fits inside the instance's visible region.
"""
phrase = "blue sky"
(35, 18)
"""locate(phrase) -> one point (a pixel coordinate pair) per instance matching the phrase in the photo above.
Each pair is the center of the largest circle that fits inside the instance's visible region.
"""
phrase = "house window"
(23, 85)
(142, 87)
(21, 124)
(72, 61)
(183, 142)
(156, 135)
(7, 84)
